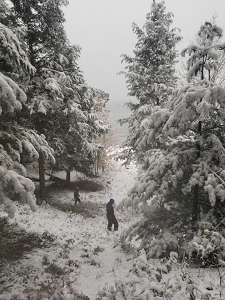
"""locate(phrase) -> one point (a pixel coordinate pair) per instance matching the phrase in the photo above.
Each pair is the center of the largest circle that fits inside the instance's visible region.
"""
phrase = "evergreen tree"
(77, 125)
(59, 99)
(150, 74)
(43, 36)
(15, 140)
(151, 71)
(182, 181)
(77, 145)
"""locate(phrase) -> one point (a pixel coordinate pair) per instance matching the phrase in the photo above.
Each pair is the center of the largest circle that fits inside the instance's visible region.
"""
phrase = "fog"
(103, 30)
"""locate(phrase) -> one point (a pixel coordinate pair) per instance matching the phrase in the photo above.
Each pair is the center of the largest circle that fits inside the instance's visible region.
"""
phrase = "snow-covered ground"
(85, 259)
(88, 254)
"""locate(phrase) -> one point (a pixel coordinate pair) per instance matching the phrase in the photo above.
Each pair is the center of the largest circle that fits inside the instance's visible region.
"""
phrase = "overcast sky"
(103, 30)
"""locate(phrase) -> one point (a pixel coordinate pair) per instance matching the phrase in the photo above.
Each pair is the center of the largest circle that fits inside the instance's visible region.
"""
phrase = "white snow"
(91, 258)
(78, 239)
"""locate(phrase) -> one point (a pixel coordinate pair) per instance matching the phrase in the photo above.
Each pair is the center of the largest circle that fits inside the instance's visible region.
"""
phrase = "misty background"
(103, 29)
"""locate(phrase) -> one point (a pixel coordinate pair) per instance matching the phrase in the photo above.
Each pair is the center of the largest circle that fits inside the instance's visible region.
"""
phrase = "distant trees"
(77, 145)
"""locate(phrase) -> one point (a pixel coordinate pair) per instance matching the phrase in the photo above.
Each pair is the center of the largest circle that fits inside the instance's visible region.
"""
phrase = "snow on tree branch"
(10, 49)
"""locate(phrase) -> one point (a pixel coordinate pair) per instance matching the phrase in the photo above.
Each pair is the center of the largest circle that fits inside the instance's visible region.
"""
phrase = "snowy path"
(83, 246)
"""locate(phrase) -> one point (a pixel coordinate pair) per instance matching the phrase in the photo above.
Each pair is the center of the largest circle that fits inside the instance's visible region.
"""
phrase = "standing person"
(110, 215)
(77, 195)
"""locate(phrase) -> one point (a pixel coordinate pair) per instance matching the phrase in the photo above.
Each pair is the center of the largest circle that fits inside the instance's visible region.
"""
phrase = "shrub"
(208, 245)
(54, 269)
(98, 250)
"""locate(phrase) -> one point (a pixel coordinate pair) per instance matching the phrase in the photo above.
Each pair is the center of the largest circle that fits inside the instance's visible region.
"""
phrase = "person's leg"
(75, 201)
(109, 225)
(116, 225)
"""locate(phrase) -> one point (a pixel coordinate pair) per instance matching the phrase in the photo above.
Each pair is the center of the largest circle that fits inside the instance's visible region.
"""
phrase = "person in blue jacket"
(110, 215)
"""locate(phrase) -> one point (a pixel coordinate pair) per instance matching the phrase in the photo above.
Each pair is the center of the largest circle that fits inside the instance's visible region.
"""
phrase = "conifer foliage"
(151, 70)
(14, 139)
(44, 100)
(182, 178)
(150, 74)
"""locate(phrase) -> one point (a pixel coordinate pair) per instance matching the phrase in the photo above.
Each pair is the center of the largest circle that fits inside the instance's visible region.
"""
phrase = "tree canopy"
(181, 181)
(46, 106)
(150, 74)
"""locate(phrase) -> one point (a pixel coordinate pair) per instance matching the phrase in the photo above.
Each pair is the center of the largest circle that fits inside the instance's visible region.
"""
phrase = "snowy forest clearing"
(81, 249)
(77, 258)
(51, 120)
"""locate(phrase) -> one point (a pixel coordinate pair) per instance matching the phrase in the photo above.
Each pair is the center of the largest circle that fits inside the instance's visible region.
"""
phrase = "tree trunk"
(41, 175)
(21, 158)
(95, 166)
(195, 204)
(97, 169)
(67, 176)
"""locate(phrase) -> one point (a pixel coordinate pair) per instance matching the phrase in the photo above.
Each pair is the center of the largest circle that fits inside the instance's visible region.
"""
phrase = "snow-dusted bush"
(51, 290)
(203, 247)
(159, 232)
(164, 280)
(208, 245)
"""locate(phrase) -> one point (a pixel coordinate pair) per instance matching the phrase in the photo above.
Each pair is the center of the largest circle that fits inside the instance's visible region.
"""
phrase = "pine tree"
(77, 126)
(182, 181)
(60, 100)
(150, 74)
(44, 37)
(15, 140)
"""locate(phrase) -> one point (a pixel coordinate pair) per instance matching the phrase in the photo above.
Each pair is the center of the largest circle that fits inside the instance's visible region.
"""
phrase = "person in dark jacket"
(110, 216)
(77, 195)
